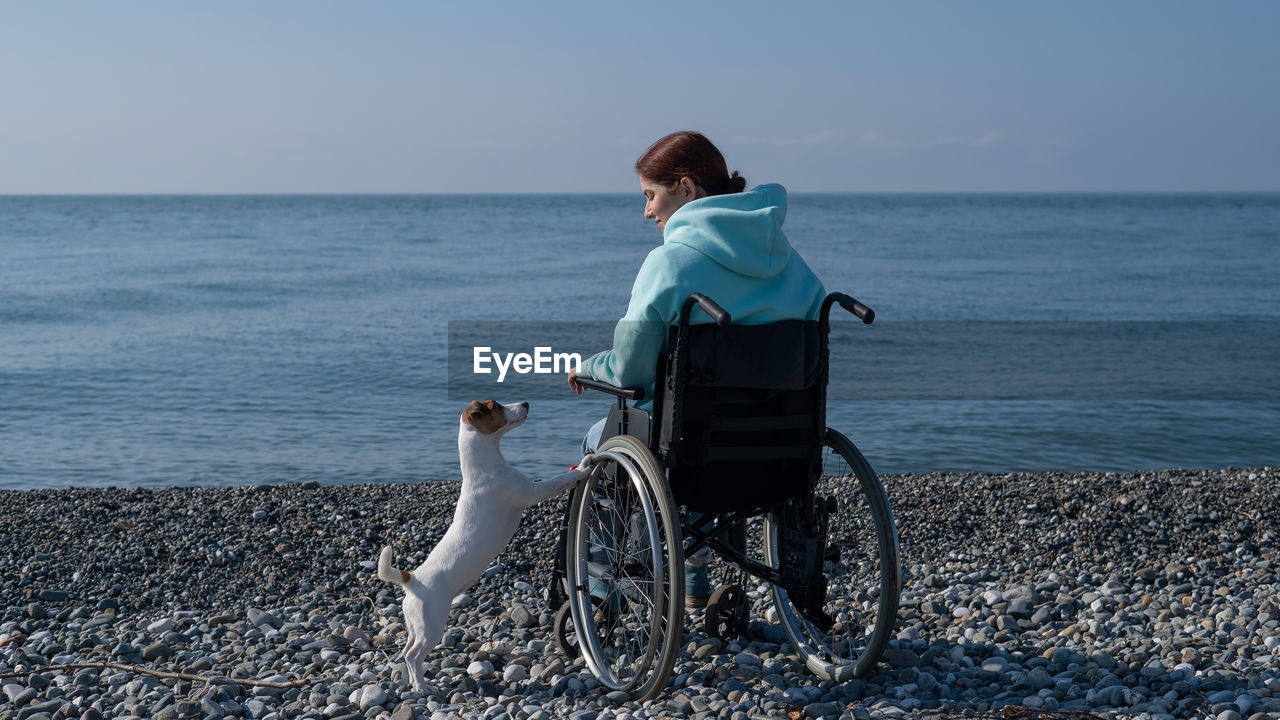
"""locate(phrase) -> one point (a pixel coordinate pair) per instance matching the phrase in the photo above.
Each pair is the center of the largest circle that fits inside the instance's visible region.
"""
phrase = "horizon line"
(625, 193)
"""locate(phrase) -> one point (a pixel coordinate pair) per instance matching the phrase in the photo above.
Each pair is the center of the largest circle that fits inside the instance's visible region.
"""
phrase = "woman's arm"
(641, 334)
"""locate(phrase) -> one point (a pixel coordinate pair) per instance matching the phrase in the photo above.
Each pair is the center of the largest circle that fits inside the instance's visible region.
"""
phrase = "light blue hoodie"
(728, 247)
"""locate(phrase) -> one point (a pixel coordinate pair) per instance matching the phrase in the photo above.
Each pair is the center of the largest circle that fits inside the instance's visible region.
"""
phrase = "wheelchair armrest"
(627, 393)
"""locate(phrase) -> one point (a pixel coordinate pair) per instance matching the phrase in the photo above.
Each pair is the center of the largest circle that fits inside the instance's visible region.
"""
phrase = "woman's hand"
(573, 381)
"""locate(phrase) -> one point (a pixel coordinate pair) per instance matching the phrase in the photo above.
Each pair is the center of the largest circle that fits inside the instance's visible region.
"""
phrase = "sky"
(559, 97)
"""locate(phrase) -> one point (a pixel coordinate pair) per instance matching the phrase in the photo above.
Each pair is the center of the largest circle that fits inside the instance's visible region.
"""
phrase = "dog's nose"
(524, 405)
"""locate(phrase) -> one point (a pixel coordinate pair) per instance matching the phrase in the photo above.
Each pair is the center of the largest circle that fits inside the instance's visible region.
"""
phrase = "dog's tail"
(388, 572)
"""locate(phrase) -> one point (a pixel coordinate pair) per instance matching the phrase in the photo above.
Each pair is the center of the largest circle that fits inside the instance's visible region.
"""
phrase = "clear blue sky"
(229, 97)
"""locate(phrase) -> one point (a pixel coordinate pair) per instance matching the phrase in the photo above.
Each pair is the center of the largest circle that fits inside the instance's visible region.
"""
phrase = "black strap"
(778, 452)
(749, 424)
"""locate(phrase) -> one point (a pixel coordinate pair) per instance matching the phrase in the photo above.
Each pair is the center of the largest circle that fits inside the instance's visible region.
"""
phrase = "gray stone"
(156, 651)
(211, 710)
(899, 658)
(12, 690)
(616, 698)
(25, 696)
(707, 648)
(521, 617)
(1021, 608)
(263, 618)
(372, 696)
(38, 681)
(821, 709)
(1112, 587)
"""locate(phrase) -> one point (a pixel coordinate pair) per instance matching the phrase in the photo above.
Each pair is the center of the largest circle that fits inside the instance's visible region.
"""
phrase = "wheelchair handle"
(709, 306)
(628, 393)
(864, 313)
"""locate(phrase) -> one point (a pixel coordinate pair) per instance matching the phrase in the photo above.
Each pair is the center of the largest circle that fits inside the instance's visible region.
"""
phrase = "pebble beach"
(1132, 595)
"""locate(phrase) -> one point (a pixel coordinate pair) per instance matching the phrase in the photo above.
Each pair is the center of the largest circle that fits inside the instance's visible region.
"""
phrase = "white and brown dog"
(494, 496)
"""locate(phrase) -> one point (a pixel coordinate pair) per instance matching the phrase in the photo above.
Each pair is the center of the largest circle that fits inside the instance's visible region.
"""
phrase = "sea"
(155, 341)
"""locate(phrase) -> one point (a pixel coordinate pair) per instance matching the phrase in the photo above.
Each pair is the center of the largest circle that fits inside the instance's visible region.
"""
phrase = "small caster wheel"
(566, 638)
(726, 612)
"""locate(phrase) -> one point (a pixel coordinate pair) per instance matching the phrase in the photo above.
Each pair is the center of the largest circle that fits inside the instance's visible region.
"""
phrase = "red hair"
(689, 154)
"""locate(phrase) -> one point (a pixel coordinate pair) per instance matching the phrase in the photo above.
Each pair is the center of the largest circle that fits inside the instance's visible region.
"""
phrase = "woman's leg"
(602, 537)
(592, 439)
(697, 586)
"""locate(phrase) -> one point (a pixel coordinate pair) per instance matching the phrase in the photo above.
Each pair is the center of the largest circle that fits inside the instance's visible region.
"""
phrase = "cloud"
(987, 139)
(824, 137)
(871, 138)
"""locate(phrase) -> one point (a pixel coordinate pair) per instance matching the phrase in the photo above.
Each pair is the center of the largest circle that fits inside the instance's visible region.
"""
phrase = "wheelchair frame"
(623, 545)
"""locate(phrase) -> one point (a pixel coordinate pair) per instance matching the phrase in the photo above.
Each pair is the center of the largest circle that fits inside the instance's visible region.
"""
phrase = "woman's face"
(660, 201)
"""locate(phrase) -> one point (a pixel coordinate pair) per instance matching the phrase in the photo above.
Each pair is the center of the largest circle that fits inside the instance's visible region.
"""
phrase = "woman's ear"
(690, 189)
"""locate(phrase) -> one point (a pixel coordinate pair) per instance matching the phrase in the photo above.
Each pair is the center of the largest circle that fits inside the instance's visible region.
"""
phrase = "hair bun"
(737, 183)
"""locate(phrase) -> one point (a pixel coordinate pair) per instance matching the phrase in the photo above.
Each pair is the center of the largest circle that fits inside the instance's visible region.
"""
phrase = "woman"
(717, 239)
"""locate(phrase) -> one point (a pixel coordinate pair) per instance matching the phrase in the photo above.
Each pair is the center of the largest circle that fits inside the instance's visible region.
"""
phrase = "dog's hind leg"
(435, 618)
(414, 653)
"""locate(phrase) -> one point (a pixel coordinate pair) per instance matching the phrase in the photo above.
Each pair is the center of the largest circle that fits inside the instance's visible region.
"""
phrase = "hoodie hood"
(741, 231)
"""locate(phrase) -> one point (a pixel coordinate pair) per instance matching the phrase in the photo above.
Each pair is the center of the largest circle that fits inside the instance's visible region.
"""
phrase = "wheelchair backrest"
(739, 413)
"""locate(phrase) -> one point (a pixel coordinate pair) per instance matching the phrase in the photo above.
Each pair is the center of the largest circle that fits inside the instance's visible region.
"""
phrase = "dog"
(494, 496)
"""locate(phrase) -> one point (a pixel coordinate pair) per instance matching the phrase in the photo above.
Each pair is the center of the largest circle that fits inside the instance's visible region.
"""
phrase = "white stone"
(480, 667)
(372, 696)
(995, 665)
(991, 597)
(160, 627)
(515, 673)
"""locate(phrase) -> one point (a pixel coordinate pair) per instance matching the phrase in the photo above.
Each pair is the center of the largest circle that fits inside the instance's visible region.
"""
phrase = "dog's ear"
(475, 412)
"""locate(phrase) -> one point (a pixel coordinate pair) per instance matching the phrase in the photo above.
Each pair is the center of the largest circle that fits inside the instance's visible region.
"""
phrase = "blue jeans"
(696, 583)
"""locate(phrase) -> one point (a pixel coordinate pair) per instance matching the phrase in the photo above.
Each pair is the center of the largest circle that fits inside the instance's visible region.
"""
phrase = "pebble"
(1165, 605)
(372, 696)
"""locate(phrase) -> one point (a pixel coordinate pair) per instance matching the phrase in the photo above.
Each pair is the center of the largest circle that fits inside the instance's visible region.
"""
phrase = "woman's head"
(680, 167)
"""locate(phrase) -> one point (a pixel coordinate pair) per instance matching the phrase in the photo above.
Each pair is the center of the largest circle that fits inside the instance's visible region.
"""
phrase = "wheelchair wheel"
(862, 566)
(625, 570)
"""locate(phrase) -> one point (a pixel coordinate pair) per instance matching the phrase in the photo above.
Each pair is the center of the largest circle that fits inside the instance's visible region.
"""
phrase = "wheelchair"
(738, 440)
